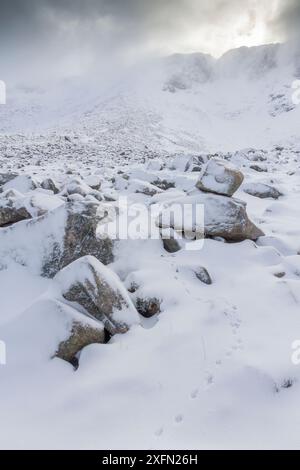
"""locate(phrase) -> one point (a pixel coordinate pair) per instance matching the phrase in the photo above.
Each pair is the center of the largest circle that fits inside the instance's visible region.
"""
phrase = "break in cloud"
(69, 36)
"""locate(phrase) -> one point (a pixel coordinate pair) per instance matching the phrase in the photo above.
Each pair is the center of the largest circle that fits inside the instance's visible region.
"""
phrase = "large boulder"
(223, 217)
(263, 191)
(22, 183)
(49, 243)
(220, 177)
(6, 177)
(79, 238)
(99, 292)
(47, 329)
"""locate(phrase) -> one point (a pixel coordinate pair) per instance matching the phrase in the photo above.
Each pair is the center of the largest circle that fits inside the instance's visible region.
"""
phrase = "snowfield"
(142, 343)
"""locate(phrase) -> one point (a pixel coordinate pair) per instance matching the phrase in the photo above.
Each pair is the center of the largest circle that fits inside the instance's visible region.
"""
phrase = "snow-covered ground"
(214, 368)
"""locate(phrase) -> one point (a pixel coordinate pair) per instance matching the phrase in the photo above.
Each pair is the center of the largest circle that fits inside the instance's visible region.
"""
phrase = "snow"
(214, 369)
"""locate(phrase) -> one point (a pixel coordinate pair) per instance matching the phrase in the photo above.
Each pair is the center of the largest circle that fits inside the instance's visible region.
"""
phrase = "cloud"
(286, 20)
(70, 36)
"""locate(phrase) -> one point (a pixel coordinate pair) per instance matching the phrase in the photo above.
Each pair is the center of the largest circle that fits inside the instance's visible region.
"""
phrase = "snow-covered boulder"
(223, 217)
(143, 187)
(76, 186)
(6, 177)
(22, 183)
(49, 329)
(12, 211)
(220, 177)
(99, 292)
(50, 185)
(49, 243)
(263, 191)
(82, 332)
(148, 307)
(94, 181)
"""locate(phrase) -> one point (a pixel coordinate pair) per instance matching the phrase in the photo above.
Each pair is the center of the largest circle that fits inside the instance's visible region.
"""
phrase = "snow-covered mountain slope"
(184, 103)
(210, 363)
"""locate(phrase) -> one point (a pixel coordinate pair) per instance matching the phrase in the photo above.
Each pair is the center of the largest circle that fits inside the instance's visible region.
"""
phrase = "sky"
(67, 37)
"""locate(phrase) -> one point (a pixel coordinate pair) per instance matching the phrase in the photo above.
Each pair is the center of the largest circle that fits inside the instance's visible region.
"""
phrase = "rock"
(170, 242)
(93, 181)
(82, 334)
(89, 284)
(262, 191)
(12, 208)
(11, 213)
(49, 328)
(220, 177)
(223, 217)
(163, 184)
(22, 183)
(50, 185)
(258, 168)
(6, 177)
(79, 238)
(76, 186)
(203, 275)
(49, 243)
(196, 163)
(143, 187)
(148, 307)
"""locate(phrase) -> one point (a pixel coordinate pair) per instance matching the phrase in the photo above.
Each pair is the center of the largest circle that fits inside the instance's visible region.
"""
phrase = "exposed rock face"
(82, 334)
(79, 238)
(263, 191)
(99, 292)
(203, 275)
(223, 217)
(148, 307)
(220, 177)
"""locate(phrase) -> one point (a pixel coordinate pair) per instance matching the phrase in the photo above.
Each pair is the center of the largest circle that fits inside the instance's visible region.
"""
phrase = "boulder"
(223, 217)
(99, 292)
(82, 333)
(94, 181)
(48, 329)
(10, 214)
(263, 191)
(148, 307)
(203, 275)
(12, 209)
(6, 177)
(79, 238)
(22, 183)
(219, 177)
(50, 185)
(76, 186)
(48, 243)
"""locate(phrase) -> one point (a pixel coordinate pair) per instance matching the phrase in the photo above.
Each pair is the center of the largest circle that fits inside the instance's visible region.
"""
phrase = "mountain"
(182, 103)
